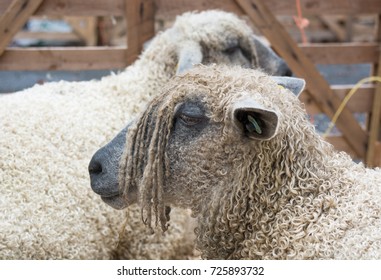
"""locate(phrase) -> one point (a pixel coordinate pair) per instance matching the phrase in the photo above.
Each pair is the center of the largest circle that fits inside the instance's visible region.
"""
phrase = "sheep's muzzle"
(104, 170)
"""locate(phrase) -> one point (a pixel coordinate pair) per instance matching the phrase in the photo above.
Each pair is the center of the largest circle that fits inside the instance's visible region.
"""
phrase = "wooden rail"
(76, 7)
(65, 58)
(45, 58)
(361, 102)
(342, 53)
(373, 156)
(171, 8)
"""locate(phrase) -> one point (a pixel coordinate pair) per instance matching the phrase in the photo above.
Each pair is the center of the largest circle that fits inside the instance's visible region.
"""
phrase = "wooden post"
(375, 118)
(140, 26)
(318, 87)
(377, 153)
(85, 28)
(14, 18)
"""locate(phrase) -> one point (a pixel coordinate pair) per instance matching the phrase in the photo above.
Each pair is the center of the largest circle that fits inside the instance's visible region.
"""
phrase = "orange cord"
(301, 22)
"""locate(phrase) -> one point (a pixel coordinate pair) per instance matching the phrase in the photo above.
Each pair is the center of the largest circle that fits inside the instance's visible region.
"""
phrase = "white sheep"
(235, 146)
(48, 133)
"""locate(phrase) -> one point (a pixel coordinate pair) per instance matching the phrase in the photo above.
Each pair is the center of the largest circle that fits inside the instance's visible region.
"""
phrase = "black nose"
(98, 173)
(95, 167)
(104, 167)
(288, 73)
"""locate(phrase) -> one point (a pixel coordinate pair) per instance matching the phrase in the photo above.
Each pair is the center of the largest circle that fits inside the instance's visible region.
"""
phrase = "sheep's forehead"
(222, 80)
(219, 86)
(217, 22)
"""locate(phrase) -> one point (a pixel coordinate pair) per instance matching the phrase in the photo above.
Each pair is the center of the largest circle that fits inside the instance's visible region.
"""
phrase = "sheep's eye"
(190, 120)
(190, 114)
(231, 50)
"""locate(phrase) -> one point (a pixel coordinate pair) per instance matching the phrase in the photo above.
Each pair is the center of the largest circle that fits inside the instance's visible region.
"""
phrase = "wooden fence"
(361, 143)
(15, 13)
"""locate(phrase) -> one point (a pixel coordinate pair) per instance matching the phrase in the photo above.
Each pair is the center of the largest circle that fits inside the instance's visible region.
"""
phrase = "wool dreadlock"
(146, 159)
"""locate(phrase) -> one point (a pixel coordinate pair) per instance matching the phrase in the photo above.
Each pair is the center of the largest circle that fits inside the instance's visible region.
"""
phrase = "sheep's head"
(190, 143)
(220, 37)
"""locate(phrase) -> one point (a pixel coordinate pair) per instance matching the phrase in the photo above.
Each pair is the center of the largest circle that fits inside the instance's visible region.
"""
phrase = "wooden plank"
(361, 101)
(76, 8)
(341, 7)
(14, 18)
(69, 36)
(67, 58)
(167, 9)
(377, 154)
(375, 117)
(132, 9)
(349, 28)
(342, 53)
(319, 7)
(332, 23)
(341, 144)
(350, 53)
(47, 36)
(299, 63)
(140, 26)
(171, 8)
(85, 28)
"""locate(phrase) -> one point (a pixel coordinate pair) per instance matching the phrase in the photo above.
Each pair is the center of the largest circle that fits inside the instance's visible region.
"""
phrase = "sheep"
(236, 147)
(48, 133)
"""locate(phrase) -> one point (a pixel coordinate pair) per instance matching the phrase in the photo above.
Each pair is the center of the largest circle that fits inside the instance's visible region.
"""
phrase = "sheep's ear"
(295, 85)
(255, 121)
(189, 54)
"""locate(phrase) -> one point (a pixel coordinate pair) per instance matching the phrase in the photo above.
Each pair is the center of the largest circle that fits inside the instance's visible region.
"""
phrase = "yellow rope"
(346, 99)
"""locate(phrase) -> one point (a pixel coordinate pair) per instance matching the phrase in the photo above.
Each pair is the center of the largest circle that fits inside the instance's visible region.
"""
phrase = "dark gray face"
(245, 52)
(269, 61)
(239, 52)
(189, 121)
(191, 156)
(190, 144)
(103, 170)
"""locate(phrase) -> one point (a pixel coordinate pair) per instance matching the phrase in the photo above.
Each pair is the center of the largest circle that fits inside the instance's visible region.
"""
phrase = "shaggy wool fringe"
(146, 146)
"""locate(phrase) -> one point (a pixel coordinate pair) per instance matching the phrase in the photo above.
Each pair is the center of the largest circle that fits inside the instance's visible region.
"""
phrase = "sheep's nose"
(95, 167)
(98, 172)
(104, 167)
(288, 72)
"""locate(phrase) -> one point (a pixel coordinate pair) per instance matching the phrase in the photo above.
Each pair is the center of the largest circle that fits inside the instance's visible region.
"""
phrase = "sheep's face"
(189, 143)
(222, 38)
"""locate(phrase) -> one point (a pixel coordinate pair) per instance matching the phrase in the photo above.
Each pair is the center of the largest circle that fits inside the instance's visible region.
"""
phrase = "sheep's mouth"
(116, 201)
